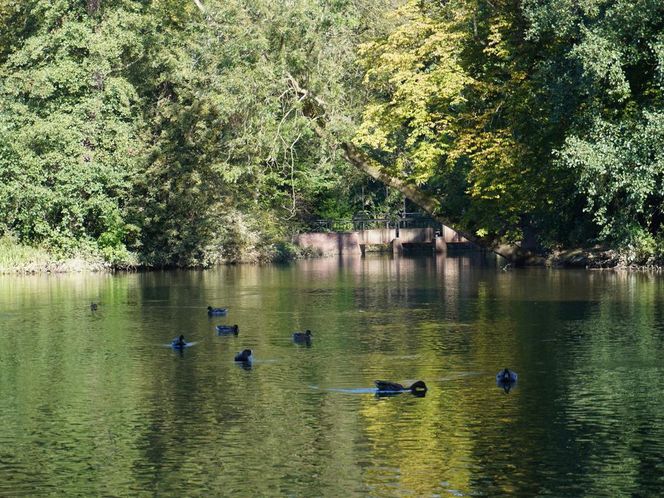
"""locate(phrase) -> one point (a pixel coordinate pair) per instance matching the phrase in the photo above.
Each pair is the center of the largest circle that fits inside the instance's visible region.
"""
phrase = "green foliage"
(534, 116)
(417, 72)
(613, 141)
(160, 133)
(141, 128)
(69, 126)
(14, 255)
(620, 171)
(231, 138)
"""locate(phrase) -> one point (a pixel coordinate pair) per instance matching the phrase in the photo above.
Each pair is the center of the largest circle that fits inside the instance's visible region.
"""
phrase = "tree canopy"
(188, 133)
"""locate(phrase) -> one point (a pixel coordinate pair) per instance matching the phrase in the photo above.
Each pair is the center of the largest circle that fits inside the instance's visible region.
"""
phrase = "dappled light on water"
(95, 402)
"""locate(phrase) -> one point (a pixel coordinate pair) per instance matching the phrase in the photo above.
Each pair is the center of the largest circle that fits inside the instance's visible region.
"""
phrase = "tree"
(230, 138)
(71, 127)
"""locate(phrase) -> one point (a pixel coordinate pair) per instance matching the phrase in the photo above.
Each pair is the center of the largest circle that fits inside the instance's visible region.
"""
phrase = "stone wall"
(350, 242)
(330, 242)
(416, 235)
(452, 236)
(377, 236)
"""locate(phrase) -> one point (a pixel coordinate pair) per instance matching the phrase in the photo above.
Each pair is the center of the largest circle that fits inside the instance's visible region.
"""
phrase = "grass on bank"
(16, 257)
(20, 258)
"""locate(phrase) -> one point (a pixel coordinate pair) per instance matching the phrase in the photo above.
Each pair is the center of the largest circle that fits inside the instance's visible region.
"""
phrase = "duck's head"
(209, 308)
(308, 333)
(181, 338)
(418, 387)
(236, 329)
(245, 355)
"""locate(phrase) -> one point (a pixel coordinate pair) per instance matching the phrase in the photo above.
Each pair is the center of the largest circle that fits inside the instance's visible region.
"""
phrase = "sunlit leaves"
(602, 63)
(516, 82)
(416, 74)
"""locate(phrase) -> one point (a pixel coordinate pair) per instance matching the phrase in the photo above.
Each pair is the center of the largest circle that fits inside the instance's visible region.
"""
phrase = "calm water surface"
(94, 403)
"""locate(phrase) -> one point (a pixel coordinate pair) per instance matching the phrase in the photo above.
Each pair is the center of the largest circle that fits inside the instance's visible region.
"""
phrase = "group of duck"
(505, 378)
(246, 355)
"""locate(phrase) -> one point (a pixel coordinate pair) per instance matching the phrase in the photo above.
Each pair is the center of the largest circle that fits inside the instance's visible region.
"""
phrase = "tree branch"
(374, 169)
(427, 202)
(200, 6)
(370, 166)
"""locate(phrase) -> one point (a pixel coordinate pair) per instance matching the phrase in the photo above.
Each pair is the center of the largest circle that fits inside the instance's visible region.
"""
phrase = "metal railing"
(407, 220)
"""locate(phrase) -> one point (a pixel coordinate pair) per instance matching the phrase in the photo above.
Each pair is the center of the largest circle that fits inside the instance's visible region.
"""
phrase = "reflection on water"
(91, 402)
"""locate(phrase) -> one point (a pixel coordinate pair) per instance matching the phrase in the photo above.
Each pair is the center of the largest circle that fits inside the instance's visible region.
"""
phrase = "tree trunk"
(315, 110)
(431, 205)
(425, 201)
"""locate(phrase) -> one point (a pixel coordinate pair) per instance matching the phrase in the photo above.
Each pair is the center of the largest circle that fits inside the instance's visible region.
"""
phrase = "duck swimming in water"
(303, 336)
(216, 311)
(418, 388)
(244, 356)
(506, 375)
(506, 379)
(179, 342)
(228, 329)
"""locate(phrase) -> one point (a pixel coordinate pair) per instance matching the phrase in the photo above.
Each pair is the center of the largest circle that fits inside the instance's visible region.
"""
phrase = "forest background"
(187, 133)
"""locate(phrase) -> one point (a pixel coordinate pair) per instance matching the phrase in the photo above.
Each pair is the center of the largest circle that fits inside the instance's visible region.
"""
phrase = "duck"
(216, 311)
(383, 386)
(506, 376)
(244, 356)
(303, 336)
(228, 329)
(179, 342)
(93, 306)
(506, 379)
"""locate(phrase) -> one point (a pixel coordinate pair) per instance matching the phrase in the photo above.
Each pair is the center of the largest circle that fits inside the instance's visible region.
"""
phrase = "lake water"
(96, 403)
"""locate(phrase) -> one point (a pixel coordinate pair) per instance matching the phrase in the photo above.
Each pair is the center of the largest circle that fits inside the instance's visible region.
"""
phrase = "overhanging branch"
(316, 111)
(370, 166)
(200, 5)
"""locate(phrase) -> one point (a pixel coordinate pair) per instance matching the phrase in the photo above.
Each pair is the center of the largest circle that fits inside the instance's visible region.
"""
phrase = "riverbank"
(601, 259)
(16, 258)
(591, 258)
(19, 259)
